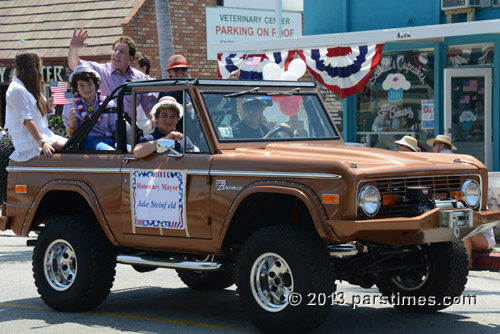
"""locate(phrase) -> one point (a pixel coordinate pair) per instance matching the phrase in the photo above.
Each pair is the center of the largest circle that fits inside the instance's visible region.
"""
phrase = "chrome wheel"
(415, 278)
(271, 281)
(410, 282)
(60, 265)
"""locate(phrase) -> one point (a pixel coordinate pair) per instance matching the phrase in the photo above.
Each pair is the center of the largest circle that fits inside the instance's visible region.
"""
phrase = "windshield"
(247, 116)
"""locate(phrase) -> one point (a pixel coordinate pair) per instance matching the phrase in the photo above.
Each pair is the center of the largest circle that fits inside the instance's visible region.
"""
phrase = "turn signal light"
(388, 200)
(456, 194)
(330, 199)
(21, 189)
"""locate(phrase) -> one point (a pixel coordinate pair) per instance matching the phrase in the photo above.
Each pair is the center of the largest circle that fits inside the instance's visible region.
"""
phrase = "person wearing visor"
(407, 144)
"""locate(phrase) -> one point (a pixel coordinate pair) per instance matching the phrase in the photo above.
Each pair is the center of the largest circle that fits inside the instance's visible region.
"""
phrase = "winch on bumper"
(435, 225)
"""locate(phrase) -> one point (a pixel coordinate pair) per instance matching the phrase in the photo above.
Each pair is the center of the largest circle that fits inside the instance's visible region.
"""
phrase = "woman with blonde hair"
(26, 116)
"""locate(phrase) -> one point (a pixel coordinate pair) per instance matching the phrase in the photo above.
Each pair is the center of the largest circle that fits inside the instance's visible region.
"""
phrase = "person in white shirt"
(27, 109)
(384, 123)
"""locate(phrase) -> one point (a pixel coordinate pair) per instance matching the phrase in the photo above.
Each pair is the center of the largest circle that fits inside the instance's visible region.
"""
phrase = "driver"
(251, 125)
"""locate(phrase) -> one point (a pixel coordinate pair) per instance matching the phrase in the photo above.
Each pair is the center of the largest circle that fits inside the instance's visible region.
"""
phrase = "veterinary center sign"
(239, 25)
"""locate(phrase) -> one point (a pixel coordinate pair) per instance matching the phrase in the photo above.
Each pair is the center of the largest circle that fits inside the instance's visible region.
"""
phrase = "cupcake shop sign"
(401, 66)
(394, 111)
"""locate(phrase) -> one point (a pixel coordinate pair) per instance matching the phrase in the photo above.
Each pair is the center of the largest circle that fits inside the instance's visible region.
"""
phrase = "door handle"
(128, 158)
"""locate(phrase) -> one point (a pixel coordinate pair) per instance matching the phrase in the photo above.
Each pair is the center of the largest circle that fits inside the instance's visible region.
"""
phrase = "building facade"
(439, 85)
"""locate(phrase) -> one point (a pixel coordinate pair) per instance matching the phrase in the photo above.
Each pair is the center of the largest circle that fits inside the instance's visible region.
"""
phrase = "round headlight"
(369, 201)
(472, 193)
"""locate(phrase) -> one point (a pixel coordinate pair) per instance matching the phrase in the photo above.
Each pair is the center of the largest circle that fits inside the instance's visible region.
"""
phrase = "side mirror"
(167, 145)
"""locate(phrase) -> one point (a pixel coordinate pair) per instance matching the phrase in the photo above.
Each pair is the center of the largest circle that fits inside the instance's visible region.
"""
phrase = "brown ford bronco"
(281, 207)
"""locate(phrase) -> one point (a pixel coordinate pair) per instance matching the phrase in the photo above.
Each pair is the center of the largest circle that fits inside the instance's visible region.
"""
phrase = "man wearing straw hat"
(407, 144)
(441, 144)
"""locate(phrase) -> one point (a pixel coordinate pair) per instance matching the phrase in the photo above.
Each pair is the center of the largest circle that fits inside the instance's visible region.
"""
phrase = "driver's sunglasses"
(180, 69)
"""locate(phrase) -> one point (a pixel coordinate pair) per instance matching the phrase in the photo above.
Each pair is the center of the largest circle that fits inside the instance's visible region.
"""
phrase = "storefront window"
(471, 54)
(398, 100)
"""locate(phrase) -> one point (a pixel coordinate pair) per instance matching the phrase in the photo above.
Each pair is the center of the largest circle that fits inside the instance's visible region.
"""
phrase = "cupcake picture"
(395, 84)
(467, 118)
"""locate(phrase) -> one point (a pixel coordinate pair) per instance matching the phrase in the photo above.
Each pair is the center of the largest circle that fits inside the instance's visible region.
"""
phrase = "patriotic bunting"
(59, 92)
(344, 70)
(250, 65)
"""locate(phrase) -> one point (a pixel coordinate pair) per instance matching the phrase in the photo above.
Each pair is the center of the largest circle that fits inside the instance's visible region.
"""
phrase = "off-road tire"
(207, 280)
(277, 261)
(445, 278)
(73, 264)
(6, 149)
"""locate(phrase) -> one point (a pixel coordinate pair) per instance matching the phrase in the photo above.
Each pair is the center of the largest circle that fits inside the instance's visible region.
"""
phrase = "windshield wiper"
(253, 90)
(288, 93)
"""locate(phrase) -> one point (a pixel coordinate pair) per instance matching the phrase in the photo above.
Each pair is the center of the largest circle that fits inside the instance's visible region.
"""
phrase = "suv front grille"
(440, 187)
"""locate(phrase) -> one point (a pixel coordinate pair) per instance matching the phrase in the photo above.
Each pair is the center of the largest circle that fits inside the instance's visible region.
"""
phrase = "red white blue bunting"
(344, 70)
(250, 65)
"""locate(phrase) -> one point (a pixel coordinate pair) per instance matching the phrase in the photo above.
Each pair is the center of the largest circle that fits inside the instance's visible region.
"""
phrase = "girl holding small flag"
(87, 99)
(27, 109)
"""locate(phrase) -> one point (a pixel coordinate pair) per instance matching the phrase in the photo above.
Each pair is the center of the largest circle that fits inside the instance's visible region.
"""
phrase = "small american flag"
(464, 99)
(252, 61)
(470, 86)
(60, 93)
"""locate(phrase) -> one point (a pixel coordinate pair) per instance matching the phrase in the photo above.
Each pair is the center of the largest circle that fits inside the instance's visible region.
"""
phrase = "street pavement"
(158, 302)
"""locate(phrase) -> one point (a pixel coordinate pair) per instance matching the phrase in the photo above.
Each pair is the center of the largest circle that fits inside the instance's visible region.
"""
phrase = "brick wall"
(188, 32)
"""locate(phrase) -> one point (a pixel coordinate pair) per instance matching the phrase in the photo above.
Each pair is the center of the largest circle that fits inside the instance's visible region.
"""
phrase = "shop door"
(467, 111)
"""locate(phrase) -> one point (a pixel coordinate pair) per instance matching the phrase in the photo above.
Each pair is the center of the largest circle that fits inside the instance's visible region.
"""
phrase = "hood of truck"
(327, 157)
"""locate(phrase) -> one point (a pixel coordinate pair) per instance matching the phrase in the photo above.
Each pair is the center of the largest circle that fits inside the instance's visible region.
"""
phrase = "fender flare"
(75, 186)
(298, 190)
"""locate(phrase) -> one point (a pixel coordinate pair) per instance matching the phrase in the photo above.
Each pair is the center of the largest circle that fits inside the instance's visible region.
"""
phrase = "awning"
(421, 34)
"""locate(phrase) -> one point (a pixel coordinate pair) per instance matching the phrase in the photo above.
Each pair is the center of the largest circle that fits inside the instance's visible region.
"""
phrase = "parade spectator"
(118, 71)
(441, 144)
(27, 109)
(87, 100)
(482, 241)
(177, 67)
(407, 144)
(384, 123)
(141, 63)
(167, 113)
(234, 75)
